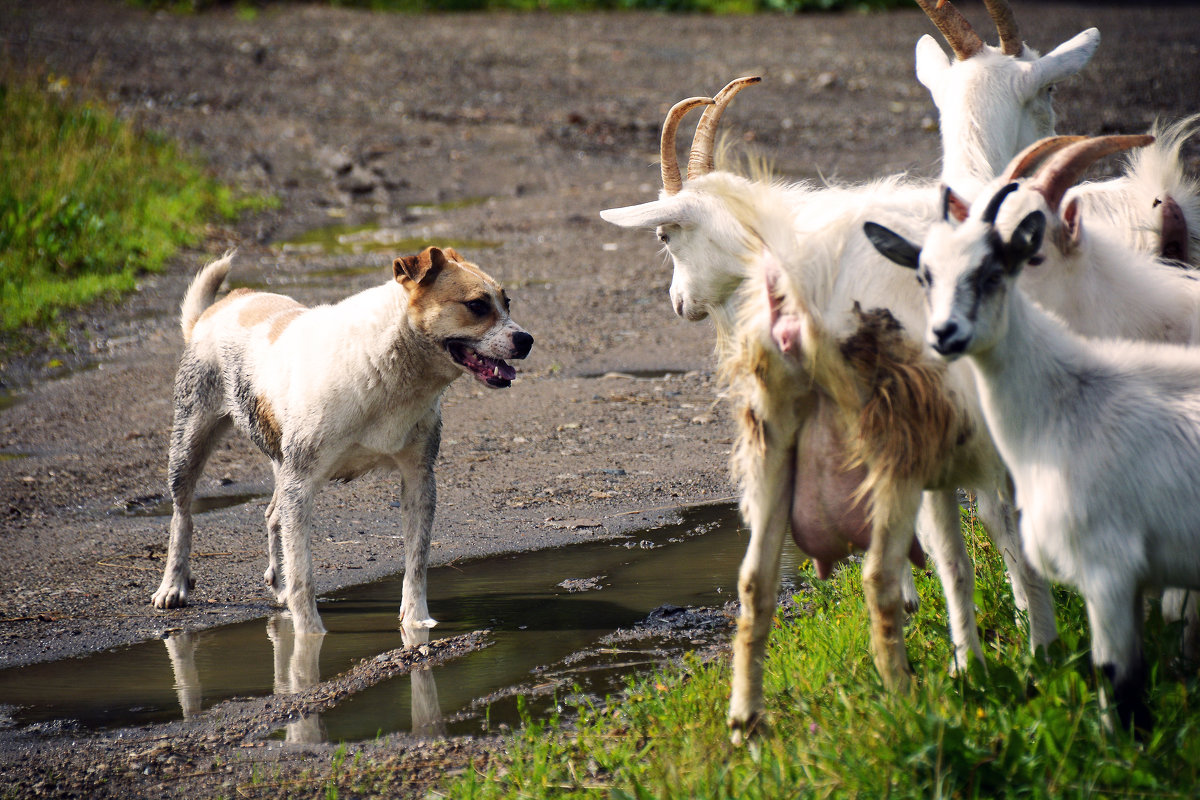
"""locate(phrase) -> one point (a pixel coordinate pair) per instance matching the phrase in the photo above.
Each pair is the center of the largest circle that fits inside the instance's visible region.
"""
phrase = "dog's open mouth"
(492, 371)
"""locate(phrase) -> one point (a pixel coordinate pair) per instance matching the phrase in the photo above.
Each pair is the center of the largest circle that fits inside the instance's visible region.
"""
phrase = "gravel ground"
(505, 135)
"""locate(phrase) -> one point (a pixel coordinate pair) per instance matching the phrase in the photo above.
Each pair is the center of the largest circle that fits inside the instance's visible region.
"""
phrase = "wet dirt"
(355, 119)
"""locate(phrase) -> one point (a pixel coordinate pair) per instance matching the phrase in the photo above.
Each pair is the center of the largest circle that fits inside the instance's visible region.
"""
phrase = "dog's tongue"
(501, 373)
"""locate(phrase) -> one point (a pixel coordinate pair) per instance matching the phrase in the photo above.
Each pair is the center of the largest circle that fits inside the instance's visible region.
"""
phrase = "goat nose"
(946, 331)
(522, 342)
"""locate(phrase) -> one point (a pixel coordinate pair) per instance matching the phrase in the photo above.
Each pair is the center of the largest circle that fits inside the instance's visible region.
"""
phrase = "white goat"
(994, 101)
(709, 228)
(1102, 436)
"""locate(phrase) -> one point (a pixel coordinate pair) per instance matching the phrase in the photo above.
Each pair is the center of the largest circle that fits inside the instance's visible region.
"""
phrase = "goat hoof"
(746, 731)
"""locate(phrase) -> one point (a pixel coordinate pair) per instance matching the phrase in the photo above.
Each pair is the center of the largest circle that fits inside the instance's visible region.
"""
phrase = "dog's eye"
(664, 237)
(479, 308)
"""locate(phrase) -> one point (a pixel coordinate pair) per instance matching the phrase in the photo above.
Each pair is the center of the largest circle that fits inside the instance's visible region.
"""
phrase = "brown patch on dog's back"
(216, 307)
(281, 321)
(264, 306)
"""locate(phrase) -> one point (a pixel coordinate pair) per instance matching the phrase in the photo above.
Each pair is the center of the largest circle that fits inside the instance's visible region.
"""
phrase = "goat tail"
(1166, 192)
(203, 291)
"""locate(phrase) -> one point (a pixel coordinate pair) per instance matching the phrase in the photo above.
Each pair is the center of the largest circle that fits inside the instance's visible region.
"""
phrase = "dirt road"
(503, 135)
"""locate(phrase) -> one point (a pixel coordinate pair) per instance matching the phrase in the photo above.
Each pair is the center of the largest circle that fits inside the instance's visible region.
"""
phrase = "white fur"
(1103, 441)
(328, 393)
(992, 105)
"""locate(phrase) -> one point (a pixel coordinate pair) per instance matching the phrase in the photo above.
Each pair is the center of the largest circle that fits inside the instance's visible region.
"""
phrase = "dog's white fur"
(329, 393)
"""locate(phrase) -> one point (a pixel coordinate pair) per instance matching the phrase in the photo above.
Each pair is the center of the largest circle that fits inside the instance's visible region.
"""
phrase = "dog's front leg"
(418, 499)
(294, 498)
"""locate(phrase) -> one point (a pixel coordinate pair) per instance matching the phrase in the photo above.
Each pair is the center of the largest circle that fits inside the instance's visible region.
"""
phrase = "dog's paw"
(173, 596)
(273, 582)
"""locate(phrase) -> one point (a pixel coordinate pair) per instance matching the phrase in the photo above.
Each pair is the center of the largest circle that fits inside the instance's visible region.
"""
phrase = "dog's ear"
(421, 268)
(452, 254)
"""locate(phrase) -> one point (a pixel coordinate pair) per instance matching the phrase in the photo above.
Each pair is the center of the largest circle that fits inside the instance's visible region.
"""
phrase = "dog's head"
(465, 311)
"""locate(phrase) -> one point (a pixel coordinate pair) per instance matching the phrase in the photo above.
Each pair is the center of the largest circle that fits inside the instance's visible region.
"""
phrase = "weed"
(87, 203)
(1025, 726)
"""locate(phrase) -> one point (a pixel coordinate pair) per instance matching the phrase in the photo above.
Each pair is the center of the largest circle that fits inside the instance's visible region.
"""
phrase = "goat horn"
(954, 27)
(700, 161)
(993, 206)
(1067, 166)
(1006, 26)
(1028, 160)
(672, 182)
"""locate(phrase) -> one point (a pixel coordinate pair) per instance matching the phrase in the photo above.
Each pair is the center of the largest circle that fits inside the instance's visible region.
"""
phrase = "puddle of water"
(534, 621)
(371, 238)
(159, 506)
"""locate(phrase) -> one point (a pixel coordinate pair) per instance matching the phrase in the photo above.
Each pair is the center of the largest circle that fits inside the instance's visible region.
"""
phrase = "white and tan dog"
(329, 393)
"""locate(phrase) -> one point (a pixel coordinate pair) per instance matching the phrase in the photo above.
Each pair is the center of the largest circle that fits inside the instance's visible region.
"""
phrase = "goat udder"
(828, 523)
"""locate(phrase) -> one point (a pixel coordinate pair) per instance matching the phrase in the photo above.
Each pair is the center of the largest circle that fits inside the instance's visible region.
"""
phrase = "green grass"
(87, 202)
(1028, 728)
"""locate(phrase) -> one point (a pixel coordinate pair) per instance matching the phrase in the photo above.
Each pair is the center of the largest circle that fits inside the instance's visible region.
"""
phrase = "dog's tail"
(202, 292)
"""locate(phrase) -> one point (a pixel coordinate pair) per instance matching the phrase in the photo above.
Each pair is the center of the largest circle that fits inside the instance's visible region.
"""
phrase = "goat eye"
(478, 307)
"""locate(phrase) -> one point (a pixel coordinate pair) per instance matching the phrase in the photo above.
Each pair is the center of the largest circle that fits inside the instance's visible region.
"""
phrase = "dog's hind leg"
(273, 577)
(418, 499)
(198, 424)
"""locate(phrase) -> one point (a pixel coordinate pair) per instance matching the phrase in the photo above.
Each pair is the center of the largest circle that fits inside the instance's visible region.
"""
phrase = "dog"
(329, 393)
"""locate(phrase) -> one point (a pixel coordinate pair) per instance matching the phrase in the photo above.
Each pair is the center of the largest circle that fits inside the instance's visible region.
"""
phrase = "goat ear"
(892, 246)
(647, 215)
(954, 206)
(932, 63)
(1026, 241)
(1066, 59)
(1072, 218)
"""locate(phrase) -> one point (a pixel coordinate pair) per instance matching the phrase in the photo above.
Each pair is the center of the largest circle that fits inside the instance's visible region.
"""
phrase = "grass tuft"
(87, 202)
(1028, 727)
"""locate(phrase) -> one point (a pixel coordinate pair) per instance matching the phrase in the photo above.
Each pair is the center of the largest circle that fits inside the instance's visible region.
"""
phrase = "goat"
(1102, 437)
(994, 101)
(718, 213)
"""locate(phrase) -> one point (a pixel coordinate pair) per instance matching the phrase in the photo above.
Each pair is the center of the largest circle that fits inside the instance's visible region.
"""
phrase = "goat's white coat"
(1102, 438)
(993, 105)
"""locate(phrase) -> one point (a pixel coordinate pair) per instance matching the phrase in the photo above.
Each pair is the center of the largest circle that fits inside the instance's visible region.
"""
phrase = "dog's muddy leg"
(198, 425)
(418, 499)
(294, 504)
(273, 577)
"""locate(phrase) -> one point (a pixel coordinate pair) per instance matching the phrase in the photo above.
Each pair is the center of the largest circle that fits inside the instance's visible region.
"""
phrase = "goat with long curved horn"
(1006, 26)
(1029, 160)
(671, 178)
(700, 161)
(1067, 166)
(954, 27)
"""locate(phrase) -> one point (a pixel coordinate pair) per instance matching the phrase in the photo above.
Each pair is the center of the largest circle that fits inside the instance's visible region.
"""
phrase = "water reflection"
(525, 601)
(296, 660)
